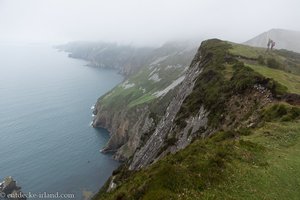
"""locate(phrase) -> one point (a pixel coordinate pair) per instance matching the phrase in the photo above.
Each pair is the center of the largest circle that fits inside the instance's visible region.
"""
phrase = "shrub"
(244, 77)
(223, 135)
(171, 141)
(281, 112)
(261, 60)
(272, 63)
(276, 87)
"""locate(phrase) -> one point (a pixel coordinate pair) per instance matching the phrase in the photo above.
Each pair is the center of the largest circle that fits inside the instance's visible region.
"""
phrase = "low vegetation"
(281, 112)
(222, 77)
(283, 60)
(261, 162)
(289, 80)
(228, 165)
(140, 88)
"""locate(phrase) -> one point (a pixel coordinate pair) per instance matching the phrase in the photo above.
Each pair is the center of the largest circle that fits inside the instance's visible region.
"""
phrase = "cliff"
(227, 121)
(132, 109)
(203, 102)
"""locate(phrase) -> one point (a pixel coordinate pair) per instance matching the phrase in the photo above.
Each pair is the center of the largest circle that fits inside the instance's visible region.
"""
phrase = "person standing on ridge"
(269, 44)
(272, 45)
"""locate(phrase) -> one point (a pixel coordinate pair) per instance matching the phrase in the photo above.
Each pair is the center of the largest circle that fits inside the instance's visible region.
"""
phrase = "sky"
(143, 22)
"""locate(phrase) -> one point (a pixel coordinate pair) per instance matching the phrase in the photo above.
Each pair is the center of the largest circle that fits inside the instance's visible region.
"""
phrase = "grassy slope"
(271, 173)
(143, 88)
(291, 81)
(259, 163)
(288, 71)
(262, 165)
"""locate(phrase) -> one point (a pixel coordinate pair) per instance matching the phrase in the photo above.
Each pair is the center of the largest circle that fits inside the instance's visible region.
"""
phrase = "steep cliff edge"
(203, 105)
(225, 119)
(132, 109)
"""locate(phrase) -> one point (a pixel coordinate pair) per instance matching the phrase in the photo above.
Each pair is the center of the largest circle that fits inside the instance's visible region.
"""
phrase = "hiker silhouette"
(270, 44)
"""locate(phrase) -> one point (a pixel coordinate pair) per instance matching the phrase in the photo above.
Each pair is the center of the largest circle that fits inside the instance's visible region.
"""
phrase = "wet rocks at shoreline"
(10, 190)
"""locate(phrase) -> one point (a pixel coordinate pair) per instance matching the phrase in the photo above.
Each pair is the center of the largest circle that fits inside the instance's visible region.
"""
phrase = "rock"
(10, 190)
(151, 150)
(112, 185)
(293, 99)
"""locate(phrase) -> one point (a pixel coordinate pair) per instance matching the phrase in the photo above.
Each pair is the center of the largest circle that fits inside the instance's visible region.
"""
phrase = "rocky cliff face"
(126, 128)
(163, 132)
(132, 110)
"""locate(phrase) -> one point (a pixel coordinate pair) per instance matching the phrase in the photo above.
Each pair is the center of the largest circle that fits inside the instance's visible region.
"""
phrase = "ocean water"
(46, 142)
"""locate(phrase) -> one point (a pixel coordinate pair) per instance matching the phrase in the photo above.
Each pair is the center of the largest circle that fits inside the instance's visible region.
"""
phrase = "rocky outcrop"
(293, 99)
(112, 185)
(165, 129)
(10, 190)
(125, 127)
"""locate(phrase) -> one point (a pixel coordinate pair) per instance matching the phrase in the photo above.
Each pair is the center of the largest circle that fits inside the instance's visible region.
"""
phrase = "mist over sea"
(46, 142)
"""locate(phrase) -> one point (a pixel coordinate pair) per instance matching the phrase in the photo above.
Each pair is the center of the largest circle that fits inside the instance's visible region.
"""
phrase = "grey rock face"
(194, 124)
(151, 150)
(112, 185)
(125, 129)
(129, 122)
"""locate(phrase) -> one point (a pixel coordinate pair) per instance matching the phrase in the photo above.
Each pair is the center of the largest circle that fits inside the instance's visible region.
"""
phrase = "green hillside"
(260, 161)
(264, 165)
(280, 65)
(291, 81)
(141, 87)
(154, 79)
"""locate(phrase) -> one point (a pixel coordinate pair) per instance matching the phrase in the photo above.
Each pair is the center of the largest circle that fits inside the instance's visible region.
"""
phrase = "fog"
(142, 22)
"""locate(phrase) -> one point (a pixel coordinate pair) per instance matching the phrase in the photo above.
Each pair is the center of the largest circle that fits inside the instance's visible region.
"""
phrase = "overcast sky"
(143, 21)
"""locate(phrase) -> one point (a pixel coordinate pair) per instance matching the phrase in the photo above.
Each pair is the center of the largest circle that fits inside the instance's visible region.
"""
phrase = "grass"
(280, 112)
(228, 72)
(257, 163)
(279, 179)
(120, 97)
(281, 65)
(291, 81)
(142, 91)
(222, 77)
(284, 60)
(262, 165)
(246, 51)
(142, 100)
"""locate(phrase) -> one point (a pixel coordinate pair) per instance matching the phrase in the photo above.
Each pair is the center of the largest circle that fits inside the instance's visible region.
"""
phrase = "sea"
(46, 141)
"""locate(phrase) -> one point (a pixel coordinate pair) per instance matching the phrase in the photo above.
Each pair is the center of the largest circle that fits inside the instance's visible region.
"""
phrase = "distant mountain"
(285, 39)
